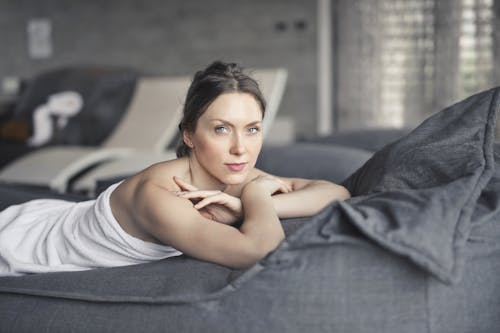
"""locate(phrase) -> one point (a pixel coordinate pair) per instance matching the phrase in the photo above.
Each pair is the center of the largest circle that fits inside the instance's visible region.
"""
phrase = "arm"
(260, 221)
(308, 197)
(297, 197)
(174, 221)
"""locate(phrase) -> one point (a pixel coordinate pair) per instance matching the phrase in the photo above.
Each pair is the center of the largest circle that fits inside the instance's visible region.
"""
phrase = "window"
(397, 61)
(406, 57)
(476, 46)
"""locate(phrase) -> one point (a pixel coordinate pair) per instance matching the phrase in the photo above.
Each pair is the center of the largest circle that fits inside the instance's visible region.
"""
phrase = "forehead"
(234, 107)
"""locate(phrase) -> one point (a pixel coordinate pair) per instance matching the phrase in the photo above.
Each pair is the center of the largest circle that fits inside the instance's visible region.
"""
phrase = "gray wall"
(172, 37)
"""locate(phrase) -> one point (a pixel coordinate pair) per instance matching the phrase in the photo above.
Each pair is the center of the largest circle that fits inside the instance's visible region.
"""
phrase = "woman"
(186, 205)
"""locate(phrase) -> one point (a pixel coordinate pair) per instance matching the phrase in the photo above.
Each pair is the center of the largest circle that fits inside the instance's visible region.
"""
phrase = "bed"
(417, 249)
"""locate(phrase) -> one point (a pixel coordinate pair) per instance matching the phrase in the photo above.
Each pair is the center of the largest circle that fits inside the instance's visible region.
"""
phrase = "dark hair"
(217, 79)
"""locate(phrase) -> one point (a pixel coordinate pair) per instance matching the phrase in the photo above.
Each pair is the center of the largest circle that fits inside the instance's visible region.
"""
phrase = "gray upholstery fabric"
(437, 172)
(306, 160)
(16, 194)
(370, 139)
(335, 272)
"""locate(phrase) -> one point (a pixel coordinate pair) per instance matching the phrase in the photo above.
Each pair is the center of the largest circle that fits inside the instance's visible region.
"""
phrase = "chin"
(235, 179)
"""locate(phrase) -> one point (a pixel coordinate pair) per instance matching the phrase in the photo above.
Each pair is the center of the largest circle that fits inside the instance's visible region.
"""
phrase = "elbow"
(255, 252)
(343, 193)
(336, 191)
(339, 192)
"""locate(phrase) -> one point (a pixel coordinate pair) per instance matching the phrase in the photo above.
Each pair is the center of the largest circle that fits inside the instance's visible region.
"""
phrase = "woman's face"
(227, 139)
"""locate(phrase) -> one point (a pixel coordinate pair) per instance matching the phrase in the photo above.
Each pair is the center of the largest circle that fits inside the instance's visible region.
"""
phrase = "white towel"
(49, 235)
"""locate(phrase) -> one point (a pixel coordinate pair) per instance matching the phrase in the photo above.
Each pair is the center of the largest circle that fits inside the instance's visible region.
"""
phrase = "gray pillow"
(416, 196)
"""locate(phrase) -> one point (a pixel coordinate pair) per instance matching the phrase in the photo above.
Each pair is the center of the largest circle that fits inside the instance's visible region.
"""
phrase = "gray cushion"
(371, 139)
(308, 160)
(416, 195)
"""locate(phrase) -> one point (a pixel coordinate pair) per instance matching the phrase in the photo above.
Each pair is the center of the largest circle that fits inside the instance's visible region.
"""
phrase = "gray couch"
(415, 250)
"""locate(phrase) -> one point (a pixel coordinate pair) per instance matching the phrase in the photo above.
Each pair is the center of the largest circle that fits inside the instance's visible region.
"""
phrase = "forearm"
(309, 200)
(261, 223)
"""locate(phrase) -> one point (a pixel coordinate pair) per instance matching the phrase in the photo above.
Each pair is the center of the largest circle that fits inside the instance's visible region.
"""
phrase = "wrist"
(253, 187)
(255, 193)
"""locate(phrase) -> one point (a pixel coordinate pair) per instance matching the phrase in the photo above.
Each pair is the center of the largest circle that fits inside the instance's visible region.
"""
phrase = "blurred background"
(352, 64)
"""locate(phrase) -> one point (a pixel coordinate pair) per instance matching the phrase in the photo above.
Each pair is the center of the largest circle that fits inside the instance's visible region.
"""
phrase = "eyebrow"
(230, 124)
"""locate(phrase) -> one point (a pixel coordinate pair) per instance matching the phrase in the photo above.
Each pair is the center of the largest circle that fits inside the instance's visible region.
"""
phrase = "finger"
(197, 194)
(180, 193)
(284, 189)
(273, 184)
(206, 214)
(288, 187)
(213, 199)
(184, 185)
(281, 185)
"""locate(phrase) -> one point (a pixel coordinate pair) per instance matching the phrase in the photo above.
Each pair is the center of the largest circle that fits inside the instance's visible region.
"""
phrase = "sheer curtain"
(397, 61)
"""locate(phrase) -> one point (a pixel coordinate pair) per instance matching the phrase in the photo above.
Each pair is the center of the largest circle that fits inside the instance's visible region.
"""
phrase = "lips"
(236, 166)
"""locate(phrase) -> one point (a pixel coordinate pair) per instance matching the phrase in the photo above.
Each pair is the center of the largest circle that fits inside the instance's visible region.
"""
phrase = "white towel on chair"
(49, 235)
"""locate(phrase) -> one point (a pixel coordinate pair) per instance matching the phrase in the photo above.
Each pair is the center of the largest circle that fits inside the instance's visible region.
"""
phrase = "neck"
(201, 179)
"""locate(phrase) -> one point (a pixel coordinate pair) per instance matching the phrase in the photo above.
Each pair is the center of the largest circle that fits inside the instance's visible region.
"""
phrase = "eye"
(254, 130)
(221, 129)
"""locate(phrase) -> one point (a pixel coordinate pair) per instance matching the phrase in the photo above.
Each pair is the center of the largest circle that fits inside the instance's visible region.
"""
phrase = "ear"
(186, 137)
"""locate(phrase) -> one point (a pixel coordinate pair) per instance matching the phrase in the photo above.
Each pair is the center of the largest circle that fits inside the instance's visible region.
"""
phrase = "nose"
(237, 145)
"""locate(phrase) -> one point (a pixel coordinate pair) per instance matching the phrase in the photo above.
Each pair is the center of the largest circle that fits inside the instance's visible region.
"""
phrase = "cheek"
(255, 148)
(210, 148)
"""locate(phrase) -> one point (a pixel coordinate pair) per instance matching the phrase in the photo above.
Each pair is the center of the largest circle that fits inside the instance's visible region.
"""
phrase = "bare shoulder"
(158, 176)
(161, 174)
(136, 195)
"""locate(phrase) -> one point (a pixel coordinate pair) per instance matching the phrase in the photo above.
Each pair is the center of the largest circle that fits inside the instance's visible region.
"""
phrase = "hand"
(272, 184)
(214, 205)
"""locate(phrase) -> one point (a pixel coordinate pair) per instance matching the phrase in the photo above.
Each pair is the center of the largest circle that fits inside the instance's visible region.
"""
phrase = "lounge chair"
(149, 123)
